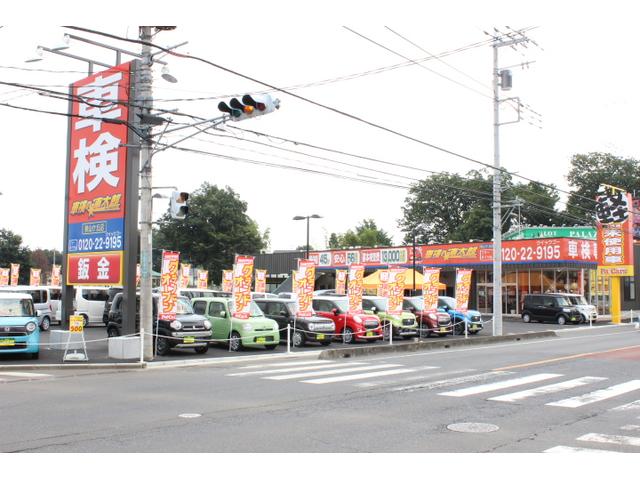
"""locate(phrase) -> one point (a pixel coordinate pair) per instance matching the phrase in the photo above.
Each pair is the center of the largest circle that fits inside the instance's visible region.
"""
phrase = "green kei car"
(256, 331)
(403, 326)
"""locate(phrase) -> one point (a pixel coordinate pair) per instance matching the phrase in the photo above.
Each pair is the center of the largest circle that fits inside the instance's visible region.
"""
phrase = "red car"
(438, 323)
(354, 327)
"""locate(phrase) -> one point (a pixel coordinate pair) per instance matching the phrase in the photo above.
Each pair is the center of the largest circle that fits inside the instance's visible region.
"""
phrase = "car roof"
(274, 299)
(13, 295)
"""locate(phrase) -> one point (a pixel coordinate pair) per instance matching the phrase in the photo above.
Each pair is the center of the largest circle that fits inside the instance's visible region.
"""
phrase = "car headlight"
(176, 325)
(31, 327)
(207, 324)
(247, 327)
(312, 327)
(566, 310)
(357, 318)
(433, 316)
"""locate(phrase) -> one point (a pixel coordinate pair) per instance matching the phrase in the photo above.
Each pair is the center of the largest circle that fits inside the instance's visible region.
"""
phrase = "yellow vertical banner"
(396, 290)
(261, 281)
(56, 275)
(34, 277)
(4, 277)
(430, 286)
(227, 280)
(383, 286)
(463, 288)
(341, 282)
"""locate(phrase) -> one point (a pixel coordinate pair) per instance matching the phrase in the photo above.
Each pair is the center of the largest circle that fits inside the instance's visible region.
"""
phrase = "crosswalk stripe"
(563, 449)
(359, 376)
(291, 369)
(24, 374)
(331, 372)
(556, 387)
(463, 392)
(612, 439)
(630, 427)
(287, 364)
(598, 395)
(627, 406)
(450, 382)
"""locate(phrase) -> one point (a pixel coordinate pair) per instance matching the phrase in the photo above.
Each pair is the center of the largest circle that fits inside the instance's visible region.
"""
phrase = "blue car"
(19, 332)
(472, 319)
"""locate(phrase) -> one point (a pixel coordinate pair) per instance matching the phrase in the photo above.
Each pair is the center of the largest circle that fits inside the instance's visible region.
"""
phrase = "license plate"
(443, 329)
(369, 334)
(189, 340)
(261, 340)
(474, 327)
(7, 342)
(320, 336)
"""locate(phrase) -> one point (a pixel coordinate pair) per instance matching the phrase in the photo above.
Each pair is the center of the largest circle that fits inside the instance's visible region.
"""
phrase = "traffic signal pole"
(144, 98)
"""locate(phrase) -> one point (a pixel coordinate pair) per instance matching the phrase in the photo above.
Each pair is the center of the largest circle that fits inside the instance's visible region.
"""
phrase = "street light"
(300, 217)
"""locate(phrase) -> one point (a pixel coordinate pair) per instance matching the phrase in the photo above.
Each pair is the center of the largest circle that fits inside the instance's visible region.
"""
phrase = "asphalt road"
(580, 390)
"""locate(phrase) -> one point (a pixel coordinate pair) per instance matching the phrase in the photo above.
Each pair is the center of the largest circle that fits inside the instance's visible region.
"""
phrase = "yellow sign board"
(76, 323)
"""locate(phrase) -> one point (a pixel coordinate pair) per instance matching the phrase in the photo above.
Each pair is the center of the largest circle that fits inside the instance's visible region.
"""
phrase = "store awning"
(373, 280)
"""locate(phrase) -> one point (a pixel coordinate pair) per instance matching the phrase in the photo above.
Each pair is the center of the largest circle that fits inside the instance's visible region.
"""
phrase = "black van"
(549, 307)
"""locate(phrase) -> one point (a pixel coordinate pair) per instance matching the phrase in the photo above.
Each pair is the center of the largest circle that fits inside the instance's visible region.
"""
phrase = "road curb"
(76, 366)
(430, 345)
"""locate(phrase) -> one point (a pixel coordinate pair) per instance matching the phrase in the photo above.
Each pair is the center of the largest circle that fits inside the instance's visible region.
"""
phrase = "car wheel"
(162, 346)
(112, 332)
(235, 342)
(562, 320)
(85, 321)
(348, 336)
(202, 350)
(46, 323)
(325, 344)
(35, 356)
(459, 328)
(583, 319)
(270, 347)
(442, 334)
(297, 339)
(526, 318)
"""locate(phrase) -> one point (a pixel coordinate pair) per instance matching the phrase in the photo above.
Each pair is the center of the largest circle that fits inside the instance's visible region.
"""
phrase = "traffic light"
(178, 207)
(250, 106)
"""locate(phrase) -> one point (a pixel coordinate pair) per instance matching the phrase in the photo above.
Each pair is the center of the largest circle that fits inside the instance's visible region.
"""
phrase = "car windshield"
(380, 303)
(255, 309)
(416, 302)
(578, 300)
(563, 302)
(293, 308)
(447, 302)
(341, 303)
(184, 307)
(16, 307)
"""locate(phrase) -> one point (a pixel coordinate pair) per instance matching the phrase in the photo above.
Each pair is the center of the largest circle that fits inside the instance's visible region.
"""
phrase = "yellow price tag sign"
(76, 323)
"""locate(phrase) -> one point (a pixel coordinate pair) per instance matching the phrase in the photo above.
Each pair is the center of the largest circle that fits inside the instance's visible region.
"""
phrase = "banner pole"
(288, 338)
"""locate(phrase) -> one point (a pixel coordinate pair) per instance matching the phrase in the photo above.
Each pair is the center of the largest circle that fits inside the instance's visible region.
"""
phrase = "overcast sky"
(582, 81)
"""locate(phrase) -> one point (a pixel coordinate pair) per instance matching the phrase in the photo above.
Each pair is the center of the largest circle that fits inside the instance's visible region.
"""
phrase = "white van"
(46, 299)
(89, 302)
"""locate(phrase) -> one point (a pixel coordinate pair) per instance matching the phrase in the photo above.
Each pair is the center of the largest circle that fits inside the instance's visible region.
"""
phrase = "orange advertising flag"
(168, 304)
(15, 274)
(463, 288)
(34, 277)
(305, 282)
(356, 277)
(341, 282)
(242, 276)
(227, 281)
(4, 277)
(261, 281)
(430, 286)
(395, 286)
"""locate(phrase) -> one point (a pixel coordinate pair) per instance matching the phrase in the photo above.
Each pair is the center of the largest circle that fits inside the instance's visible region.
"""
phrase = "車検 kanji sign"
(96, 177)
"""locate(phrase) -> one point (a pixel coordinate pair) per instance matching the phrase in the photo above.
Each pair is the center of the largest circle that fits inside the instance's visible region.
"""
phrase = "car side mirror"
(335, 311)
(446, 308)
(284, 313)
(374, 309)
(223, 314)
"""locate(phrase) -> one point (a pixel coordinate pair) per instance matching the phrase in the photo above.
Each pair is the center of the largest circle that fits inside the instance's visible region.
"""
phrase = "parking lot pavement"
(97, 347)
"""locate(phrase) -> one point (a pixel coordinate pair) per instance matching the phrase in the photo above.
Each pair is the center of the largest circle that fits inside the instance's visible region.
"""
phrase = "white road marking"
(288, 364)
(24, 374)
(612, 439)
(556, 387)
(463, 392)
(630, 427)
(291, 369)
(359, 376)
(413, 378)
(331, 372)
(449, 382)
(598, 395)
(563, 449)
(627, 406)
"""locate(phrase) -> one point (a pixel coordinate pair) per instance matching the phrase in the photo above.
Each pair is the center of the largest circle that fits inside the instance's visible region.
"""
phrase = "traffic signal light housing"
(178, 207)
(250, 106)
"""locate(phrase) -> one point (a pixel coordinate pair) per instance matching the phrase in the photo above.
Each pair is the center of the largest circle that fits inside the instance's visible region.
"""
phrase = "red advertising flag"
(227, 280)
(305, 278)
(341, 282)
(356, 278)
(242, 276)
(463, 288)
(15, 274)
(261, 281)
(185, 274)
(396, 290)
(4, 277)
(383, 286)
(168, 304)
(430, 289)
(34, 277)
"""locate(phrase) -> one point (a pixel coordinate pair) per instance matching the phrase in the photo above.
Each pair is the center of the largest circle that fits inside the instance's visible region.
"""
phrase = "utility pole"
(500, 79)
(144, 98)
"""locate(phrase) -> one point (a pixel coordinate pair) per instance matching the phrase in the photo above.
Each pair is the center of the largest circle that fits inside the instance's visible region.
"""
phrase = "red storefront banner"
(15, 274)
(4, 277)
(341, 282)
(168, 305)
(227, 280)
(396, 290)
(614, 214)
(242, 276)
(305, 278)
(185, 274)
(383, 286)
(203, 279)
(261, 281)
(463, 288)
(513, 252)
(98, 133)
(94, 268)
(356, 277)
(56, 277)
(430, 289)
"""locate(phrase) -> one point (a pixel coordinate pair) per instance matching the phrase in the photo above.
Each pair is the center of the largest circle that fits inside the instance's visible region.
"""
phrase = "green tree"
(589, 171)
(366, 234)
(538, 205)
(12, 251)
(216, 229)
